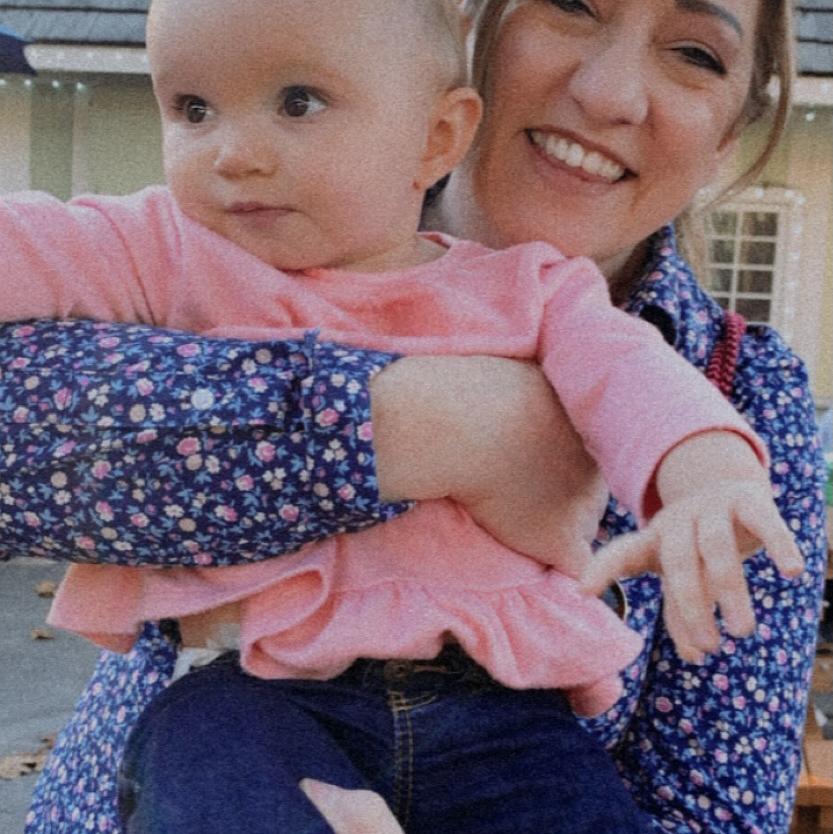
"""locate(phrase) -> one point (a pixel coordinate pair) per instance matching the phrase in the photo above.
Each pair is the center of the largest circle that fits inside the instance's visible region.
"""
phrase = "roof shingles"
(122, 22)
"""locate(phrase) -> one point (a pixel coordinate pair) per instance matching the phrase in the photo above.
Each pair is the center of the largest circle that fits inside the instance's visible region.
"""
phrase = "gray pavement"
(40, 680)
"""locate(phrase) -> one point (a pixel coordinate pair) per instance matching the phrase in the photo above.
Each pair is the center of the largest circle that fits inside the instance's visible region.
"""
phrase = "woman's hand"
(351, 812)
(717, 510)
(489, 433)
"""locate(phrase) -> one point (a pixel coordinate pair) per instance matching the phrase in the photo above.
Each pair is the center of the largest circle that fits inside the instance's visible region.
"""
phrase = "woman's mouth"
(574, 155)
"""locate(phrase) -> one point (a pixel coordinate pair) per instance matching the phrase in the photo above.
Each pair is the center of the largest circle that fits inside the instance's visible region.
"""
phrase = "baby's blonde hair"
(444, 35)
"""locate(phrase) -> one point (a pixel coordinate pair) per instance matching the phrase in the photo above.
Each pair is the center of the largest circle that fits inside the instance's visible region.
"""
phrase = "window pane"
(754, 280)
(723, 222)
(754, 309)
(757, 252)
(721, 280)
(723, 300)
(760, 223)
(722, 251)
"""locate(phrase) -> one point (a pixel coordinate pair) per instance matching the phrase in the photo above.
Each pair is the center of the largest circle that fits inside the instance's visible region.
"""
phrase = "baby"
(299, 139)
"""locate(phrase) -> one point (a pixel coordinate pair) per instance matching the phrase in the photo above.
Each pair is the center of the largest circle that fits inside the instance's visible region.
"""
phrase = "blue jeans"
(450, 750)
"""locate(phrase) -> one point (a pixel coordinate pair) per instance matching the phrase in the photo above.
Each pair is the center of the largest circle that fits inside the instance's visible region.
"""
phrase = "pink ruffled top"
(401, 589)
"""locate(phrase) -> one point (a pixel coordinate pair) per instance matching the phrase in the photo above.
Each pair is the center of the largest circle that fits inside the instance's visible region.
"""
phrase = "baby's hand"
(717, 510)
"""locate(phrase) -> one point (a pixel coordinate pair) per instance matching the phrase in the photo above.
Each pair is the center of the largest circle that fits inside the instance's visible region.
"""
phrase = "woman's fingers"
(351, 811)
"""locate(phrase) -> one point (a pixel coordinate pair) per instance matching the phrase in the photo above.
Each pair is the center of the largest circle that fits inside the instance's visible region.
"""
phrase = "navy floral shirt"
(712, 748)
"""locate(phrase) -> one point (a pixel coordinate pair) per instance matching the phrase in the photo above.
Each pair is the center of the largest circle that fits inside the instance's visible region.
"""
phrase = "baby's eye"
(193, 108)
(301, 101)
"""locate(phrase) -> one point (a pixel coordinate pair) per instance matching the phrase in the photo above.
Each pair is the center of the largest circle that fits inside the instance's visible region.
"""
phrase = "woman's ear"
(451, 130)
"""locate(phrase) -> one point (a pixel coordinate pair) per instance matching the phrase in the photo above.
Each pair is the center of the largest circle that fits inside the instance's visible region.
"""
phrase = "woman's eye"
(300, 101)
(572, 6)
(193, 108)
(702, 58)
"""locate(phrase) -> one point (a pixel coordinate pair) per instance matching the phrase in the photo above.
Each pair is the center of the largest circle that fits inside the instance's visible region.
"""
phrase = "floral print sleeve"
(716, 748)
(130, 445)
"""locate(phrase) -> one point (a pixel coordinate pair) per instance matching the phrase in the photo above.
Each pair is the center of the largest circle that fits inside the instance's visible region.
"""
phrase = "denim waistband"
(451, 667)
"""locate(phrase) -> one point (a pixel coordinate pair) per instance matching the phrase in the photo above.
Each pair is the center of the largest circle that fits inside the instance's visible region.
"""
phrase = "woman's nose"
(609, 84)
(246, 151)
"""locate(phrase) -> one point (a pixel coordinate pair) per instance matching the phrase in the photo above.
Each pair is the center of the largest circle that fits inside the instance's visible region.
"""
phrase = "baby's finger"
(723, 567)
(627, 555)
(762, 520)
(678, 632)
(686, 587)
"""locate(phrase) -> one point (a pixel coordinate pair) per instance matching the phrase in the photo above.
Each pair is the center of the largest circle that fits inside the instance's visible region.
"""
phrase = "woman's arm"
(129, 445)
(716, 747)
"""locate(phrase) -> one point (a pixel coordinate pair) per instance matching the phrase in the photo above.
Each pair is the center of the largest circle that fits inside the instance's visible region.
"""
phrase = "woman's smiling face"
(603, 119)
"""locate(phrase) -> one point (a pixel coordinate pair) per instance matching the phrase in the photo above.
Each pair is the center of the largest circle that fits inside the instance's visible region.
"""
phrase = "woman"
(603, 121)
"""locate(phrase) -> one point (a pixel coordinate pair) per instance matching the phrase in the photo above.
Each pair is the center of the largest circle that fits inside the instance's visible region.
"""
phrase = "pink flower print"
(327, 417)
(23, 331)
(686, 726)
(109, 342)
(139, 520)
(85, 543)
(346, 492)
(20, 414)
(696, 777)
(365, 431)
(289, 512)
(723, 814)
(265, 451)
(663, 704)
(31, 519)
(721, 682)
(144, 386)
(203, 558)
(146, 436)
(245, 483)
(760, 744)
(62, 398)
(188, 446)
(104, 509)
(258, 384)
(188, 350)
(721, 756)
(65, 449)
(781, 657)
(226, 513)
(101, 469)
(664, 792)
(19, 362)
(739, 702)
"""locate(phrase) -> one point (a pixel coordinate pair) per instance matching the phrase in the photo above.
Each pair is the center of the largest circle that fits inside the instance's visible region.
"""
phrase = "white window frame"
(788, 205)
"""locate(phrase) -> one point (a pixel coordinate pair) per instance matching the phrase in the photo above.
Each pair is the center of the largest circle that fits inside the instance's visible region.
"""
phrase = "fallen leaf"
(23, 764)
(42, 634)
(46, 588)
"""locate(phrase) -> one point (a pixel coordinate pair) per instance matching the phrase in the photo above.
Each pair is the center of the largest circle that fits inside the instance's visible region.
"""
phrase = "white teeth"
(574, 155)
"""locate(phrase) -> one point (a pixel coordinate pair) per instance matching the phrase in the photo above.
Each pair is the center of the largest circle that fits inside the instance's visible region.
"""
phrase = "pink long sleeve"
(630, 397)
(70, 260)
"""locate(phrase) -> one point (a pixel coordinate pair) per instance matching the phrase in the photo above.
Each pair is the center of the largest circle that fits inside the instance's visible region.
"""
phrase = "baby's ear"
(451, 130)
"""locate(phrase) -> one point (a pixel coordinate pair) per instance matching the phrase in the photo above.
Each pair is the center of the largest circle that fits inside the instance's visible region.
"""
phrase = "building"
(88, 123)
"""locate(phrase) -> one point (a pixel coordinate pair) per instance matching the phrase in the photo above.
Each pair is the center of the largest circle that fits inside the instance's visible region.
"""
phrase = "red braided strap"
(724, 358)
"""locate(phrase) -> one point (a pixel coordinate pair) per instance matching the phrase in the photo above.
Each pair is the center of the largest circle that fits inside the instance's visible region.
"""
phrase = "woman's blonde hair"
(773, 62)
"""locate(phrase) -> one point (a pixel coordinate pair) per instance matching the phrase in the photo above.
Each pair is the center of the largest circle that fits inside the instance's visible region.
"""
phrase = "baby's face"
(295, 128)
